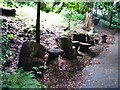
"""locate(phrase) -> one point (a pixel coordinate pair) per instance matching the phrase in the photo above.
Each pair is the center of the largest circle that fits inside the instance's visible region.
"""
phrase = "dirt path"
(102, 71)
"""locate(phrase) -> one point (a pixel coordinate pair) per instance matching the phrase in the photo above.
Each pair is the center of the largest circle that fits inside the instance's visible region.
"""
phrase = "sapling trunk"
(38, 24)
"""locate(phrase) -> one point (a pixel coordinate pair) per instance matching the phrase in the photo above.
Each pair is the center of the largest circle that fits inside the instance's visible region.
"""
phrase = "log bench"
(84, 46)
(53, 54)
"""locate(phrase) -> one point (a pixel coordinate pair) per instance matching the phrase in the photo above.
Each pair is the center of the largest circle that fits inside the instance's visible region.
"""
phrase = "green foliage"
(66, 33)
(45, 6)
(91, 32)
(38, 71)
(31, 4)
(79, 16)
(14, 3)
(10, 4)
(20, 79)
(6, 53)
(10, 35)
(80, 7)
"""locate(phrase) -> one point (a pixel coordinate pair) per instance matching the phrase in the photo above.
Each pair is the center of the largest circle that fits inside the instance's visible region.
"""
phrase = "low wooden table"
(84, 46)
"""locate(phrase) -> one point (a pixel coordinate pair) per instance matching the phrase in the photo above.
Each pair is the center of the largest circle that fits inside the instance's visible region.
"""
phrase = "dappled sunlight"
(51, 20)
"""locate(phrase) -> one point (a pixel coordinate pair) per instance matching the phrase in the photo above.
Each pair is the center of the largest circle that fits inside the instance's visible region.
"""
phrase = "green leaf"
(44, 67)
(35, 68)
(67, 32)
(10, 35)
(39, 73)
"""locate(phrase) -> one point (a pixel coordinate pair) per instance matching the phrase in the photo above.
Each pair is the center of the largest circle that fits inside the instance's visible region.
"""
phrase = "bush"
(79, 16)
(20, 79)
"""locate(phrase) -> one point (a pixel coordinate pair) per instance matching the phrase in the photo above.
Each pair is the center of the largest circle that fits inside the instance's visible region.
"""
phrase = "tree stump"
(88, 37)
(79, 37)
(104, 38)
(91, 42)
(53, 54)
(66, 45)
(84, 46)
(29, 51)
(76, 44)
(8, 12)
(96, 41)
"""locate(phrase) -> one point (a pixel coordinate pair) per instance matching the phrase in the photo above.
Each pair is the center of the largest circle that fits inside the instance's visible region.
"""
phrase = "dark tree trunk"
(111, 15)
(38, 24)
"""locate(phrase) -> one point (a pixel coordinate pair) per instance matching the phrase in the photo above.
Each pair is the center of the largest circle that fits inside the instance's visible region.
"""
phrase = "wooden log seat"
(53, 54)
(76, 44)
(96, 41)
(79, 37)
(65, 44)
(84, 46)
(104, 37)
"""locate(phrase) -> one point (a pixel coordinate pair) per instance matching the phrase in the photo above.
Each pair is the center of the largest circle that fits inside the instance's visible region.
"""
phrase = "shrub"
(20, 79)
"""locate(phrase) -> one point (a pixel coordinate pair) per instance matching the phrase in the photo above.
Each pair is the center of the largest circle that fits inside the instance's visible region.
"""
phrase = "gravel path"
(102, 71)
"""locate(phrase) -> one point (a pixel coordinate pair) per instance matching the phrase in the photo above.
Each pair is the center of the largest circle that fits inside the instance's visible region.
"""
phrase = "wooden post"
(38, 23)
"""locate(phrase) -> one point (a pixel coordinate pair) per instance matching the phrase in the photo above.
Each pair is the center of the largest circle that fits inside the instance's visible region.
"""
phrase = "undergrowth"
(20, 79)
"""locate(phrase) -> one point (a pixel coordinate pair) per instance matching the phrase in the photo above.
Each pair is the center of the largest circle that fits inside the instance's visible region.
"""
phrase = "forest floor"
(69, 74)
(65, 74)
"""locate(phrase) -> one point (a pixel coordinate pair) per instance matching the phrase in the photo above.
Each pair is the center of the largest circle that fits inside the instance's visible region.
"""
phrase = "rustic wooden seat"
(84, 46)
(79, 37)
(53, 54)
(65, 43)
(76, 44)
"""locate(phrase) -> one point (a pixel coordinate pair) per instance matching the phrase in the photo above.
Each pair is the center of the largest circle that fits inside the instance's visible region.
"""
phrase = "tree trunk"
(38, 24)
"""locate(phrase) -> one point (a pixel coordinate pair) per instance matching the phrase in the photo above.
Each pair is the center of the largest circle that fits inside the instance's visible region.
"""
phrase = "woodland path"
(104, 72)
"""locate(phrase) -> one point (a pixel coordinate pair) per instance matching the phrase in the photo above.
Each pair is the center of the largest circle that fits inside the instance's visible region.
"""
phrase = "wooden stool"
(76, 44)
(53, 54)
(84, 46)
(79, 37)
